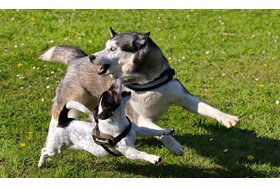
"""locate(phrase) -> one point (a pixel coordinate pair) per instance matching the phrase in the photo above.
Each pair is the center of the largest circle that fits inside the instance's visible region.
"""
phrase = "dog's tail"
(63, 120)
(63, 54)
(78, 106)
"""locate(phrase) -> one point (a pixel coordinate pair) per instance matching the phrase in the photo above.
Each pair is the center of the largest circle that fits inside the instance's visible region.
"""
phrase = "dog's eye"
(113, 48)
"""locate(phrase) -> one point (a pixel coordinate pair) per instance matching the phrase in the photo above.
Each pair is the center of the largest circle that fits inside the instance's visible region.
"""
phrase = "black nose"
(92, 57)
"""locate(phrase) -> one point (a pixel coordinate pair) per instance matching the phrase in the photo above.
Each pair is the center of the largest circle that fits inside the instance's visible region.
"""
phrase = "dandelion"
(12, 19)
(51, 41)
(15, 46)
(29, 133)
(235, 72)
(90, 41)
(262, 85)
(48, 87)
(22, 145)
(33, 18)
(33, 67)
(47, 78)
(52, 72)
(42, 99)
(18, 75)
(265, 65)
(19, 65)
(207, 52)
(250, 157)
(223, 74)
(277, 102)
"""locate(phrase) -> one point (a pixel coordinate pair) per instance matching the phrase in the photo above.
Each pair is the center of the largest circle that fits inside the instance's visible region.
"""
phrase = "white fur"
(151, 105)
(77, 135)
(78, 106)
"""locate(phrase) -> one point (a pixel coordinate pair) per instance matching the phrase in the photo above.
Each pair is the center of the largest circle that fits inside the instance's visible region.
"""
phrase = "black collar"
(106, 140)
(164, 78)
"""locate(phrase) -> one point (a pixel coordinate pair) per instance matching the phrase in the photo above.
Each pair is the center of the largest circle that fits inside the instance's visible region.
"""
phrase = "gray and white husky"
(145, 72)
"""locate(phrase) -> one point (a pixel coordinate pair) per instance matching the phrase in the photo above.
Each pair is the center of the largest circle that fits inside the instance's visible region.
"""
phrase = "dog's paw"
(172, 145)
(40, 163)
(229, 121)
(155, 159)
(169, 131)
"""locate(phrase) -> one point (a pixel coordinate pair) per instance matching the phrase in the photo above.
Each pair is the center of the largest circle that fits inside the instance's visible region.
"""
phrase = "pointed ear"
(142, 40)
(112, 32)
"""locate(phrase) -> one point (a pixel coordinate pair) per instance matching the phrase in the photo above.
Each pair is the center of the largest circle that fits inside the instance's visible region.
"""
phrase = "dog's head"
(128, 54)
(112, 102)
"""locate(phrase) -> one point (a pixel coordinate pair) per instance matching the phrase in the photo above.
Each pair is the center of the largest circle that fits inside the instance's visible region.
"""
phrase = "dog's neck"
(116, 124)
(165, 77)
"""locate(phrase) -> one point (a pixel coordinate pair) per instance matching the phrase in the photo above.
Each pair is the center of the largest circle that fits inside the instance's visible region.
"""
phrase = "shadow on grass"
(228, 148)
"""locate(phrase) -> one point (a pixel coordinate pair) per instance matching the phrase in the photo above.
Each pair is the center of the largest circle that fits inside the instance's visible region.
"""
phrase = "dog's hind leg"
(183, 98)
(45, 153)
(134, 154)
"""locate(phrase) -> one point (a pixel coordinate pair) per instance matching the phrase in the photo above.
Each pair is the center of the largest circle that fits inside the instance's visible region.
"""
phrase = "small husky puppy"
(146, 73)
(110, 133)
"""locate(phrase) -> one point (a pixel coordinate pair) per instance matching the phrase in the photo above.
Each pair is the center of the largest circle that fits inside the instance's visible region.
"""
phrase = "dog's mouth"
(103, 69)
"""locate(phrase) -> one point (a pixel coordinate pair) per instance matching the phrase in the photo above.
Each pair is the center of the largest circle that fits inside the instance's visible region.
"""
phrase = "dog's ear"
(105, 114)
(141, 40)
(112, 32)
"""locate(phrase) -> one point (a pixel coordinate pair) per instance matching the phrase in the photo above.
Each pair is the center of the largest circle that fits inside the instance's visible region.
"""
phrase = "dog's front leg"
(134, 154)
(148, 132)
(183, 98)
(172, 145)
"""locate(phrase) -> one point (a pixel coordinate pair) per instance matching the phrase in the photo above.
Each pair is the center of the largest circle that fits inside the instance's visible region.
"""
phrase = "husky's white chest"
(150, 104)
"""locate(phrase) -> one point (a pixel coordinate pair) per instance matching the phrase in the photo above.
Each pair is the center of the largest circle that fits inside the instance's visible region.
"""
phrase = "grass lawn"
(228, 58)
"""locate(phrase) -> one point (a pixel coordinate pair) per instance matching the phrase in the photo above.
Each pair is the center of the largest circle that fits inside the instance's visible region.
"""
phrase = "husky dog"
(146, 73)
(110, 133)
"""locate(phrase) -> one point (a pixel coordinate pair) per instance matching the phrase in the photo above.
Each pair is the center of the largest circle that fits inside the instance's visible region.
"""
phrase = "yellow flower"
(33, 18)
(250, 157)
(22, 145)
(262, 85)
(30, 133)
(265, 65)
(19, 65)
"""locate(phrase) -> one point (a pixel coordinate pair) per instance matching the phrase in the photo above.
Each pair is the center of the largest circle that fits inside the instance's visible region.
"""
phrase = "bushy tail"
(63, 54)
(78, 106)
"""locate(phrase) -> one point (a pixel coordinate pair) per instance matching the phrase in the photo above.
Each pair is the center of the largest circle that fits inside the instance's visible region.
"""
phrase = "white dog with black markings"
(110, 133)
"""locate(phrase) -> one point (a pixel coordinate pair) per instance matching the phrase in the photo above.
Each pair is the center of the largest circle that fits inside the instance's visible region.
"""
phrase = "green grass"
(228, 58)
